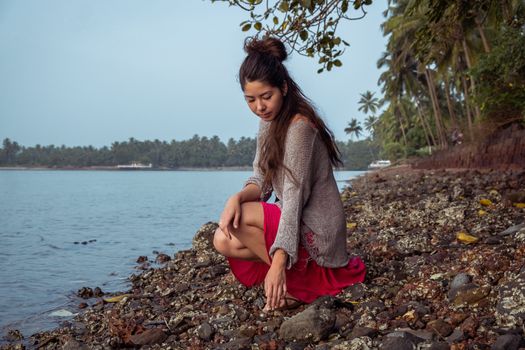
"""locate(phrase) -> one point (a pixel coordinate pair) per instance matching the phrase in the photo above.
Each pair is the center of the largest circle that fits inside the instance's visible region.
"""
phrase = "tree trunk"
(437, 110)
(484, 40)
(425, 122)
(472, 82)
(467, 105)
(451, 111)
(402, 129)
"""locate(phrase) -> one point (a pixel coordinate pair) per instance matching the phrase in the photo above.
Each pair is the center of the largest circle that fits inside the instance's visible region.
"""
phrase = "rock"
(412, 338)
(397, 343)
(72, 344)
(13, 335)
(162, 258)
(510, 310)
(313, 324)
(97, 292)
(512, 230)
(456, 336)
(82, 305)
(238, 344)
(460, 280)
(470, 326)
(358, 332)
(205, 331)
(508, 342)
(149, 337)
(439, 346)
(141, 259)
(441, 328)
(469, 294)
(85, 293)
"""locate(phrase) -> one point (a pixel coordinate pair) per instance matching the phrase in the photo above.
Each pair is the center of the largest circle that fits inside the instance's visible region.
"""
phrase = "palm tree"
(354, 128)
(368, 102)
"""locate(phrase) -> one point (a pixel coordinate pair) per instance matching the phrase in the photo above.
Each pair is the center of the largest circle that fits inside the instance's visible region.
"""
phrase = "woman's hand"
(231, 214)
(275, 280)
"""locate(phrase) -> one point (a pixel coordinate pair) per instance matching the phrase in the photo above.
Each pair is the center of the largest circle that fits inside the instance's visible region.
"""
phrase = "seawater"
(45, 215)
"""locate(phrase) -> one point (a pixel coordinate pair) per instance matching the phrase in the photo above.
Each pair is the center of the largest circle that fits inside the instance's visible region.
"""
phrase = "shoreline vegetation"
(195, 153)
(114, 168)
(445, 256)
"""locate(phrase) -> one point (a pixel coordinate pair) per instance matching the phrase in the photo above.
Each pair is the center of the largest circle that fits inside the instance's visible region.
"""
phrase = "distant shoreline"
(112, 168)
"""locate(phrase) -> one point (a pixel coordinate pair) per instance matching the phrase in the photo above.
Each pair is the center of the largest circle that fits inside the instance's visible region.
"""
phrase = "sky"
(92, 72)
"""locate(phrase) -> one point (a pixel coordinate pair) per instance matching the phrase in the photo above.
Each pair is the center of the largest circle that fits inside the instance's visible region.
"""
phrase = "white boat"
(378, 164)
(134, 166)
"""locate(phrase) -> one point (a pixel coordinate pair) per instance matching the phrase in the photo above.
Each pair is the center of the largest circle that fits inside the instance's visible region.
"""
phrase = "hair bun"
(268, 46)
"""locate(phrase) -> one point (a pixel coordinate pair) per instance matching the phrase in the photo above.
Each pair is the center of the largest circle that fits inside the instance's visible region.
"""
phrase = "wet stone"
(85, 293)
(97, 292)
(162, 258)
(72, 344)
(13, 335)
(141, 259)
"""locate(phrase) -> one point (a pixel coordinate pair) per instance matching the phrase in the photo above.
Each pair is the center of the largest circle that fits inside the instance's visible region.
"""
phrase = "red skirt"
(305, 280)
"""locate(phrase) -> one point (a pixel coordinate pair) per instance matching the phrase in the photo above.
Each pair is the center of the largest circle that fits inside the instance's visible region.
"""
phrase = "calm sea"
(123, 214)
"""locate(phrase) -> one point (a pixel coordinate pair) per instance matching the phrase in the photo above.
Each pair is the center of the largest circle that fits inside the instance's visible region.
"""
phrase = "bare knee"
(220, 242)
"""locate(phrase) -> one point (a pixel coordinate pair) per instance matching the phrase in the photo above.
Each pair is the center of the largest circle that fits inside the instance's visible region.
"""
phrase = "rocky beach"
(445, 257)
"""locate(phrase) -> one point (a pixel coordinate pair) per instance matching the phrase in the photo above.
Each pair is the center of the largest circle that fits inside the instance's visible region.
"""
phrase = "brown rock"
(440, 328)
(149, 337)
(470, 326)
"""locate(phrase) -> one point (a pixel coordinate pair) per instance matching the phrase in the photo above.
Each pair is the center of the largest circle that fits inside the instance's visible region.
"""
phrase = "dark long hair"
(264, 62)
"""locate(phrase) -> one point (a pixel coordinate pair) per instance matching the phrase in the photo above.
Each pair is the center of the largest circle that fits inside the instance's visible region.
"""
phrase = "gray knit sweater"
(313, 206)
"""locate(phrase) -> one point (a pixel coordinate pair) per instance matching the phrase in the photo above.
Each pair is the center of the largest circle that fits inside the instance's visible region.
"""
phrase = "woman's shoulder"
(302, 124)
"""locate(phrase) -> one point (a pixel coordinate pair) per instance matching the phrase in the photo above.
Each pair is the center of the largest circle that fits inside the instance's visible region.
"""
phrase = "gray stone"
(512, 230)
(460, 280)
(397, 343)
(507, 342)
(414, 339)
(456, 336)
(72, 344)
(205, 331)
(313, 324)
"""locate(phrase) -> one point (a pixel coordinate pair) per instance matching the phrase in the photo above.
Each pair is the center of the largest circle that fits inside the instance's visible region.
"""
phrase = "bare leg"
(248, 239)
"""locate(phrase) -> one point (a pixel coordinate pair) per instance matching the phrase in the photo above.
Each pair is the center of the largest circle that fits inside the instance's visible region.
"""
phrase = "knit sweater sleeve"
(257, 177)
(298, 158)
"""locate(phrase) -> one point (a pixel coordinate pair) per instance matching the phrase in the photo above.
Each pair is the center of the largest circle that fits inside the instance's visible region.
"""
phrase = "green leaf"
(337, 41)
(275, 20)
(283, 6)
(304, 35)
(257, 26)
(338, 63)
(344, 6)
(319, 71)
(346, 43)
(246, 27)
(329, 66)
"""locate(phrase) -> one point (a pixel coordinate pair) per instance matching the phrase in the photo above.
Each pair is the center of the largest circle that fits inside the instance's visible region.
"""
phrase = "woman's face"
(264, 100)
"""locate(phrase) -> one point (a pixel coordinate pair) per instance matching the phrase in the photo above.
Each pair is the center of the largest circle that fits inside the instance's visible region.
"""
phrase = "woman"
(297, 246)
